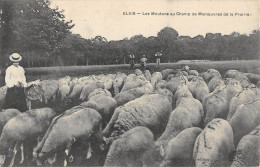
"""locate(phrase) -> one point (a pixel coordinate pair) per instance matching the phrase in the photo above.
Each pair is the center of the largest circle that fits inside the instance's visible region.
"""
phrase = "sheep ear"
(162, 152)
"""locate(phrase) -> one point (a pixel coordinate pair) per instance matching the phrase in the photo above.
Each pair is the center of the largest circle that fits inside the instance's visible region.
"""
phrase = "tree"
(167, 37)
(32, 25)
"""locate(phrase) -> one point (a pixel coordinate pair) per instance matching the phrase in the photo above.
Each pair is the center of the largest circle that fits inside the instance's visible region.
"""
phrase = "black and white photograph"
(130, 83)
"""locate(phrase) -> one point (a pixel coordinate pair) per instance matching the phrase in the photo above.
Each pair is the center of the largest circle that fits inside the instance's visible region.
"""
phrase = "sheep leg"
(67, 152)
(14, 154)
(39, 145)
(22, 154)
(89, 153)
(68, 147)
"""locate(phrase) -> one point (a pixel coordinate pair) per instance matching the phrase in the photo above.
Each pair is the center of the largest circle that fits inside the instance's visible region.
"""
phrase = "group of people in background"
(143, 60)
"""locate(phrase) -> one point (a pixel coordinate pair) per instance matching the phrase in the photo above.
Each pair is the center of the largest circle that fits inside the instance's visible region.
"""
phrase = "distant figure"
(143, 62)
(132, 61)
(16, 82)
(186, 68)
(158, 56)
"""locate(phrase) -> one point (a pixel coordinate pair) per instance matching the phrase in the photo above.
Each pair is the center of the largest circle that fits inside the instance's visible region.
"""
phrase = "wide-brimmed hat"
(15, 57)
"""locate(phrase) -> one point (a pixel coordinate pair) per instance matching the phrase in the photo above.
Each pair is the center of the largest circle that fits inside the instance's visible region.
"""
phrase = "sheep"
(132, 84)
(138, 72)
(193, 77)
(131, 149)
(149, 110)
(99, 91)
(182, 90)
(165, 73)
(216, 104)
(199, 89)
(28, 125)
(179, 119)
(215, 82)
(161, 84)
(238, 76)
(34, 97)
(156, 77)
(214, 144)
(147, 75)
(245, 119)
(231, 74)
(129, 77)
(131, 94)
(65, 113)
(188, 113)
(193, 72)
(6, 115)
(76, 91)
(108, 82)
(248, 152)
(118, 82)
(165, 92)
(179, 150)
(246, 95)
(88, 88)
(103, 104)
(209, 74)
(254, 78)
(174, 82)
(79, 125)
(180, 72)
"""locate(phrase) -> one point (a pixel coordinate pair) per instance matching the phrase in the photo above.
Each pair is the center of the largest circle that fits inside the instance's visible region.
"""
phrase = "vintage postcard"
(129, 83)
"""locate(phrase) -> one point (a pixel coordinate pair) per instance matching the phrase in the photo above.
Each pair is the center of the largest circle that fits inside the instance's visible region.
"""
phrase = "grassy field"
(76, 71)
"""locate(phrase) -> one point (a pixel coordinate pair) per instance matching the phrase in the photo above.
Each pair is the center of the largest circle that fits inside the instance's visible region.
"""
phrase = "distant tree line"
(43, 37)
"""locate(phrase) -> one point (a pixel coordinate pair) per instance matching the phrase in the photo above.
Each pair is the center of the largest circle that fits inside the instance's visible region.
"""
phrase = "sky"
(106, 18)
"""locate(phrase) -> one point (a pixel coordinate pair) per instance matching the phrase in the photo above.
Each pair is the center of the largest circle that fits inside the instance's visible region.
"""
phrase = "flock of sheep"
(170, 118)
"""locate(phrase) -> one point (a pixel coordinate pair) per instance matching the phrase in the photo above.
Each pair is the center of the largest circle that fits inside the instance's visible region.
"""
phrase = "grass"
(77, 71)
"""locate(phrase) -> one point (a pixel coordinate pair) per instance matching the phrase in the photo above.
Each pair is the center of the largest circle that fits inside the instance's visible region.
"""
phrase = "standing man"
(132, 60)
(143, 62)
(158, 56)
(16, 82)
